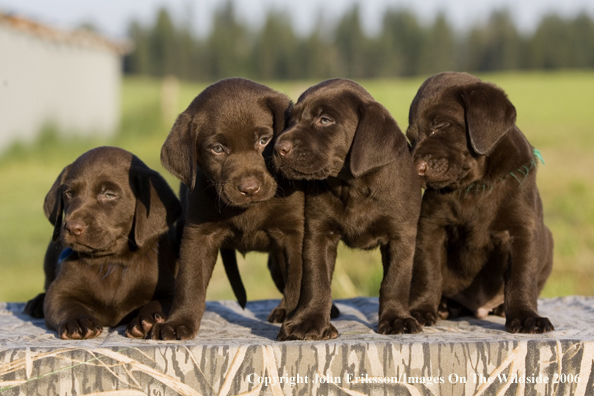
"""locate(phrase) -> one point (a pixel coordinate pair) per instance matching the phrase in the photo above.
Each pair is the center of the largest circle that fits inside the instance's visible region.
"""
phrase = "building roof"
(80, 37)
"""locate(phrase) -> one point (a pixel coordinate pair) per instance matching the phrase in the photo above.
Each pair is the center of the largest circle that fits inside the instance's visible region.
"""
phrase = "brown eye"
(68, 194)
(325, 121)
(106, 195)
(437, 128)
(218, 149)
(264, 141)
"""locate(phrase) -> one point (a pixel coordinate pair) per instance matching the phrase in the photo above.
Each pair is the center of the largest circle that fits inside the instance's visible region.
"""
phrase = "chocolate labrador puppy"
(362, 189)
(219, 148)
(113, 259)
(481, 239)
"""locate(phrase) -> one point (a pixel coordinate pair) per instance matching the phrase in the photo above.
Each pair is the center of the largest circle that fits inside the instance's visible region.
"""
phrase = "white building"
(70, 80)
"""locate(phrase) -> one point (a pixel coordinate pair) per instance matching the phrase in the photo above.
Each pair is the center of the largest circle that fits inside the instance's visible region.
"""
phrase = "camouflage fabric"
(236, 353)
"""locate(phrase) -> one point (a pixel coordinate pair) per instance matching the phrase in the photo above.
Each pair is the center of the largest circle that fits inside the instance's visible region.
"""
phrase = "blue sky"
(113, 16)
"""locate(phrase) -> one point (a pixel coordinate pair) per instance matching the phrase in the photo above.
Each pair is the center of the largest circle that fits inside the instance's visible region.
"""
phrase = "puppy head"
(334, 124)
(108, 201)
(225, 135)
(455, 122)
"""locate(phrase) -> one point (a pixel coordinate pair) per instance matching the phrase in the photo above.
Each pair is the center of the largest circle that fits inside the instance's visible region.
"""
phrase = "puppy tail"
(232, 271)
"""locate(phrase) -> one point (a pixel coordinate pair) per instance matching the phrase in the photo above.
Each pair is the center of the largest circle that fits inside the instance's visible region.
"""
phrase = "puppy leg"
(276, 264)
(278, 314)
(394, 315)
(199, 250)
(72, 321)
(521, 287)
(293, 274)
(312, 317)
(426, 288)
(148, 315)
(80, 327)
(34, 307)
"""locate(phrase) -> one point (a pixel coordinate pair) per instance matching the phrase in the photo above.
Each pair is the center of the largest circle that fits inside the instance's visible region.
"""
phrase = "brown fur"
(481, 238)
(362, 189)
(219, 147)
(115, 214)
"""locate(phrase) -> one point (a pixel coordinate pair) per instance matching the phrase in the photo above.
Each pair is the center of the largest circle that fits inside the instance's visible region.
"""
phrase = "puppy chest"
(245, 240)
(365, 234)
(472, 251)
(261, 227)
(360, 226)
(116, 285)
(472, 237)
(366, 241)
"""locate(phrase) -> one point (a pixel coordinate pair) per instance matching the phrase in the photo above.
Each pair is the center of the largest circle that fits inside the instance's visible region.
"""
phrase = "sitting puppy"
(113, 254)
(481, 239)
(219, 148)
(362, 189)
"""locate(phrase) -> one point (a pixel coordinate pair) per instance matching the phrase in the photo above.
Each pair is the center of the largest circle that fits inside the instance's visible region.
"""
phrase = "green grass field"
(554, 112)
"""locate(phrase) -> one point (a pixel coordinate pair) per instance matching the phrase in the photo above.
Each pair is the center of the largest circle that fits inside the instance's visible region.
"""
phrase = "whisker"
(133, 242)
(109, 271)
(282, 190)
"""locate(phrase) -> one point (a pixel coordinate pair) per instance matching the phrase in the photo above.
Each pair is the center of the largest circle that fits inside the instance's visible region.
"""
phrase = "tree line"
(403, 47)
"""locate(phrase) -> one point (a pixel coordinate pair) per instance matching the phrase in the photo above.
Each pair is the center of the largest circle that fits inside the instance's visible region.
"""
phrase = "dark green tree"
(583, 33)
(439, 49)
(350, 44)
(228, 47)
(275, 51)
(162, 45)
(316, 55)
(138, 60)
(401, 43)
(403, 47)
(497, 45)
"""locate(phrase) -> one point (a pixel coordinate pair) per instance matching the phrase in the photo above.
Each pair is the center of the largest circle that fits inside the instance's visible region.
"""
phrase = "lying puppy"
(218, 148)
(113, 254)
(481, 238)
(363, 190)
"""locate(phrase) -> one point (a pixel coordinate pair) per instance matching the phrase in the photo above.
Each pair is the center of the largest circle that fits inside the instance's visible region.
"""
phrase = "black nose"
(284, 147)
(75, 227)
(249, 186)
(422, 167)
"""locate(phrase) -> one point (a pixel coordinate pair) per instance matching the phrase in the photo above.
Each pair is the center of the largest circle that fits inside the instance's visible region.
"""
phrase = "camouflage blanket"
(236, 353)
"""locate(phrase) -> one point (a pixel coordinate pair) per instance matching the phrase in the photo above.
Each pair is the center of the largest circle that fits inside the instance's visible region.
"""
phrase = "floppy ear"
(178, 154)
(53, 205)
(489, 115)
(378, 140)
(157, 207)
(278, 105)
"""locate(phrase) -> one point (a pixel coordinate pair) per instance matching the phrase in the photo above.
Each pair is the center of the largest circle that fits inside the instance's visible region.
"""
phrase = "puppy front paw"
(277, 315)
(147, 317)
(425, 317)
(393, 324)
(81, 328)
(172, 330)
(307, 327)
(529, 324)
